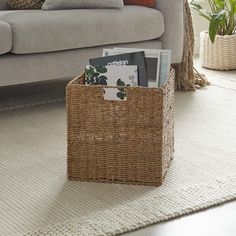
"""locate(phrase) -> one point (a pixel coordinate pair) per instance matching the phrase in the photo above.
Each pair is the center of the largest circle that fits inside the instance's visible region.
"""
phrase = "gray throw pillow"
(77, 4)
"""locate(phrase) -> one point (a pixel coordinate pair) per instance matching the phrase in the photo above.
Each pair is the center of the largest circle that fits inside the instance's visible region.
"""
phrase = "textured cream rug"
(37, 199)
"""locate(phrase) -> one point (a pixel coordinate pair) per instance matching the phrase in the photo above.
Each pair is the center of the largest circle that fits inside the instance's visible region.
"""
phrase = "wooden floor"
(218, 221)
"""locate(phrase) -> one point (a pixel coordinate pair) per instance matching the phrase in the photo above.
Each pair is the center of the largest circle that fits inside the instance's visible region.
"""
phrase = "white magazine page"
(164, 66)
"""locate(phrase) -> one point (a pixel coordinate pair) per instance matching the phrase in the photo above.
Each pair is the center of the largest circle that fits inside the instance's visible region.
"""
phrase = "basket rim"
(74, 84)
(206, 33)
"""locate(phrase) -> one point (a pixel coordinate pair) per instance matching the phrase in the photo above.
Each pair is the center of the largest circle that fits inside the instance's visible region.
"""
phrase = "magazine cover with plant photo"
(116, 76)
(134, 58)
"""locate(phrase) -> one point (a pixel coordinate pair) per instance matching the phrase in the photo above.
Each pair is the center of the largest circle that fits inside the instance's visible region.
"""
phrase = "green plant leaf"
(215, 24)
(120, 82)
(232, 17)
(222, 16)
(213, 27)
(202, 12)
(195, 4)
(91, 81)
(96, 81)
(89, 71)
(102, 80)
(101, 69)
(95, 74)
(218, 5)
(121, 95)
(121, 89)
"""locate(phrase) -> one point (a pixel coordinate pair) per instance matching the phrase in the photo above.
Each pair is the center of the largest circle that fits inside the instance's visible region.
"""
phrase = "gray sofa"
(40, 45)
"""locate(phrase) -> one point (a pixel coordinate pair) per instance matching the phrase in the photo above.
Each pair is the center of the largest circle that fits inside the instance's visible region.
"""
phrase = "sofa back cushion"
(36, 31)
(147, 3)
(78, 4)
(25, 4)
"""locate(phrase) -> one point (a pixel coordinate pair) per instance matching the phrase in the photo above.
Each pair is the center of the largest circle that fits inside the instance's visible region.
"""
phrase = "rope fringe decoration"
(187, 77)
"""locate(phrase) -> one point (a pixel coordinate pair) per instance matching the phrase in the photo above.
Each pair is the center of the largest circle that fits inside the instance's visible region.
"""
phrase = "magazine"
(152, 61)
(165, 63)
(119, 76)
(133, 58)
(158, 63)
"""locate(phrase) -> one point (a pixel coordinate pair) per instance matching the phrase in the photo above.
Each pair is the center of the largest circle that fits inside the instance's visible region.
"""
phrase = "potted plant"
(218, 44)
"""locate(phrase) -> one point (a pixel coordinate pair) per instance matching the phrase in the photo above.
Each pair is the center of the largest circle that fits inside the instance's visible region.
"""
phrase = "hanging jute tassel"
(200, 80)
(187, 77)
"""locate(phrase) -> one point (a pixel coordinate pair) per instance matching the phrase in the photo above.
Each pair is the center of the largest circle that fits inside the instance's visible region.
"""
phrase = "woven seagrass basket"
(220, 55)
(129, 142)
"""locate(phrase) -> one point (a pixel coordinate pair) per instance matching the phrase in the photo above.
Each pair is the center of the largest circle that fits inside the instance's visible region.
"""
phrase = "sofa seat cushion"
(5, 37)
(36, 31)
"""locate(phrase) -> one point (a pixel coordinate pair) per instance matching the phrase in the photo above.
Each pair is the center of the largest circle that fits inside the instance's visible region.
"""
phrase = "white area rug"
(37, 199)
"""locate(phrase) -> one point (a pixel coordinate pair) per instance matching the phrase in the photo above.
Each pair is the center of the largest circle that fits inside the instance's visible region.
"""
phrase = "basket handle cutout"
(114, 94)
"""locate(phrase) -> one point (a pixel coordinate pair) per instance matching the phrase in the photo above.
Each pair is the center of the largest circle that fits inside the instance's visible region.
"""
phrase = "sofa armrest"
(173, 38)
(5, 37)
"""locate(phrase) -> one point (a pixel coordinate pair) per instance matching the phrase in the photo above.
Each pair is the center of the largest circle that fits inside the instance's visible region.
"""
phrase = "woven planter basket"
(128, 142)
(221, 55)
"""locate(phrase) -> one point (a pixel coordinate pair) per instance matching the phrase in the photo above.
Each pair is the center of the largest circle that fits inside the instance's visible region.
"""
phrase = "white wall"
(200, 24)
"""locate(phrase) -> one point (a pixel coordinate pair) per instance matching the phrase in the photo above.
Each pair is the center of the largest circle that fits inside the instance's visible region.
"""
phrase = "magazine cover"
(120, 76)
(134, 58)
(152, 61)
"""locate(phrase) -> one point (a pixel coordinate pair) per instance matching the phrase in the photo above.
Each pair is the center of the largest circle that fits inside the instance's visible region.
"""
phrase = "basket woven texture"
(128, 142)
(221, 55)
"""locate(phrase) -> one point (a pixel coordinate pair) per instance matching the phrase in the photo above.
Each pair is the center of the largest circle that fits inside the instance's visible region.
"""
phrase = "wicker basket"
(128, 142)
(221, 55)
